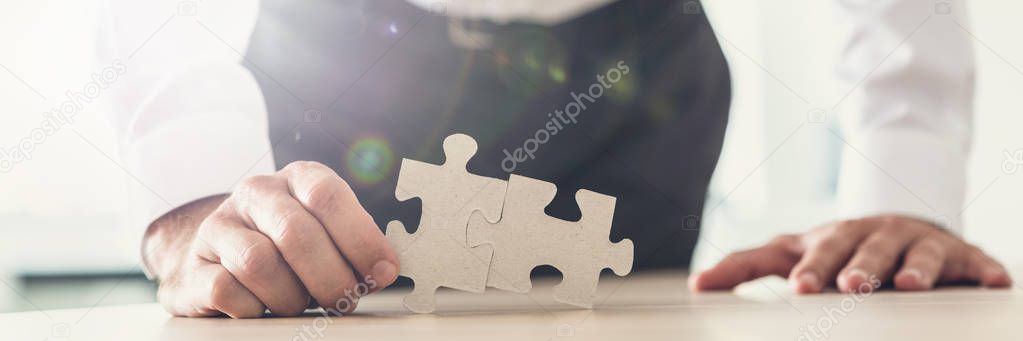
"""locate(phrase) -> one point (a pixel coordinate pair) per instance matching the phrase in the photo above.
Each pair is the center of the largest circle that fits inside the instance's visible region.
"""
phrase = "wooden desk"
(638, 307)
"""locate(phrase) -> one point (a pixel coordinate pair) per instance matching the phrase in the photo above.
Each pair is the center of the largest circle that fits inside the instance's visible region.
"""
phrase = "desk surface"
(641, 306)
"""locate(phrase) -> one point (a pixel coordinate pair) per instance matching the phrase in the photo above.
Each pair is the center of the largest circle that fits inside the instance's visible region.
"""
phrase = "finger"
(332, 202)
(921, 266)
(994, 274)
(299, 237)
(178, 301)
(775, 258)
(210, 290)
(254, 260)
(874, 260)
(823, 259)
(988, 271)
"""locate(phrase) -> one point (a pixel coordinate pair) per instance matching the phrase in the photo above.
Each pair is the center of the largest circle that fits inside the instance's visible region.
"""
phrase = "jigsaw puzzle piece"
(437, 254)
(525, 237)
(433, 260)
(581, 274)
(450, 194)
(519, 237)
(598, 212)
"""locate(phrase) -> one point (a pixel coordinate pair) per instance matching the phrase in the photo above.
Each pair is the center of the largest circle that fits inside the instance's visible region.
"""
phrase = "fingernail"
(384, 272)
(915, 274)
(911, 279)
(851, 281)
(857, 274)
(807, 283)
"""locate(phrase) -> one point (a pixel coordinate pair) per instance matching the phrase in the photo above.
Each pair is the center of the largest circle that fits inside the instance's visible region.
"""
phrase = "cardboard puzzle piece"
(437, 254)
(525, 237)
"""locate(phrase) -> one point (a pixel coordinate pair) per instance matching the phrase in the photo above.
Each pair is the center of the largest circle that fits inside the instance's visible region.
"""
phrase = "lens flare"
(370, 160)
(557, 73)
(624, 90)
(530, 61)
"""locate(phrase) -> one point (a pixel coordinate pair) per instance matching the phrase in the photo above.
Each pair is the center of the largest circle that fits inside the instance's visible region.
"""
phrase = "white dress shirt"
(191, 120)
(910, 132)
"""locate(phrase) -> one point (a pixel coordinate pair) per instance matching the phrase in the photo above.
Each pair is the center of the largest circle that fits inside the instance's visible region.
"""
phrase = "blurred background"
(65, 241)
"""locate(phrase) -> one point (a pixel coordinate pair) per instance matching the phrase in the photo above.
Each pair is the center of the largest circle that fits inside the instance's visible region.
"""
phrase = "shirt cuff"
(903, 171)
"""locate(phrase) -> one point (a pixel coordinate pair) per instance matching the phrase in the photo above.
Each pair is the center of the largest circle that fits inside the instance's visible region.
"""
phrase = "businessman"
(270, 165)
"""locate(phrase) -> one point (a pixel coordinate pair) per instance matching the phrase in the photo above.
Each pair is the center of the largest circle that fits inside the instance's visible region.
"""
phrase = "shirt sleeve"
(190, 120)
(906, 123)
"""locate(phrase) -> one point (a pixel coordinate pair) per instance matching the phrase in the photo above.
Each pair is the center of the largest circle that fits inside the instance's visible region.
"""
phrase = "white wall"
(995, 219)
(60, 209)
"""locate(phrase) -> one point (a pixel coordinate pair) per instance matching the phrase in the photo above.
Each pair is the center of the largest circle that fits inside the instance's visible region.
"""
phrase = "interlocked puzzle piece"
(477, 231)
(437, 254)
(526, 237)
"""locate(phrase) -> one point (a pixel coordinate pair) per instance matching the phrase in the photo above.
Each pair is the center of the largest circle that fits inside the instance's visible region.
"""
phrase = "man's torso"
(358, 85)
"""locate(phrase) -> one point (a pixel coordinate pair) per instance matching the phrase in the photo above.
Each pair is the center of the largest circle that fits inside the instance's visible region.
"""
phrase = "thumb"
(776, 258)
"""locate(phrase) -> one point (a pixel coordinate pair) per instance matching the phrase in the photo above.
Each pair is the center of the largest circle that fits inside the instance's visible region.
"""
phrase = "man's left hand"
(908, 253)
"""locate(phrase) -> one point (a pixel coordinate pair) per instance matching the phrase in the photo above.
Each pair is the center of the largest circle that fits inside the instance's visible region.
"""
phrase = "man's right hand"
(277, 242)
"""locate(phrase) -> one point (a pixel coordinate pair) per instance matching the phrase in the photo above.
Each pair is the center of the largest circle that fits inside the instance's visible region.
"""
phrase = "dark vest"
(358, 85)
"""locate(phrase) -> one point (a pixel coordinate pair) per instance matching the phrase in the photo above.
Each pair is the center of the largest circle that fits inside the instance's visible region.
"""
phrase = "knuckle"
(783, 240)
(891, 229)
(207, 230)
(215, 219)
(286, 219)
(929, 249)
(847, 226)
(889, 221)
(301, 166)
(255, 182)
(931, 245)
(253, 186)
(223, 288)
(256, 260)
(828, 244)
(878, 250)
(789, 244)
(323, 196)
(294, 236)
